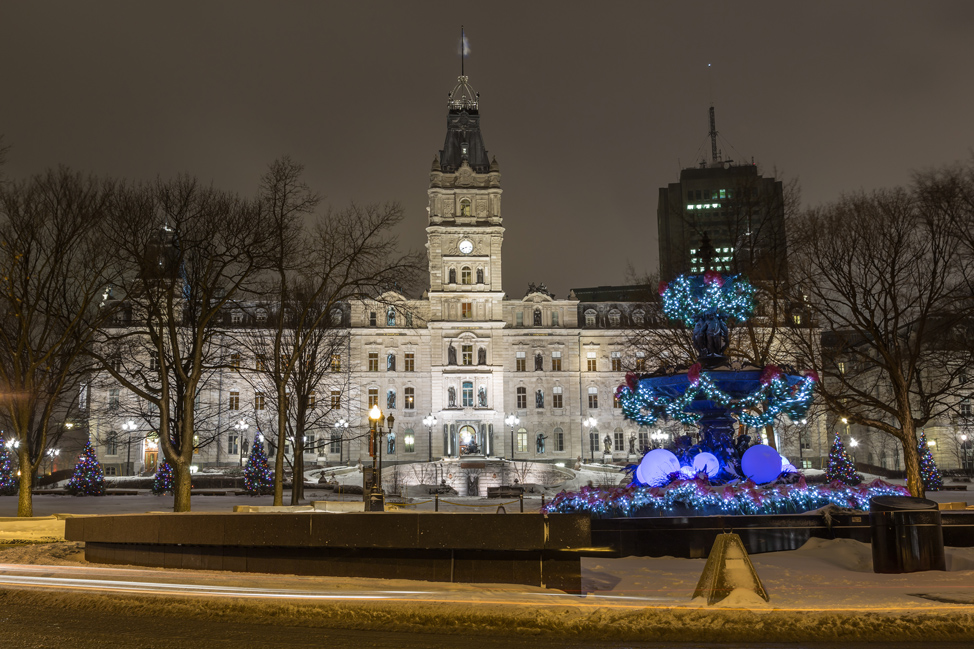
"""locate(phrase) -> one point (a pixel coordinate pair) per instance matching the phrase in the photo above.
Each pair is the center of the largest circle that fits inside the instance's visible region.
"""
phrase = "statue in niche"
(391, 443)
(538, 362)
(482, 356)
(391, 362)
(451, 355)
(607, 444)
(451, 397)
(537, 317)
(480, 275)
(391, 317)
(482, 397)
(391, 400)
(632, 443)
(539, 399)
(453, 276)
(540, 443)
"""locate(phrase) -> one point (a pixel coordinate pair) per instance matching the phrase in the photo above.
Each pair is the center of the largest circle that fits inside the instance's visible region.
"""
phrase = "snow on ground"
(34, 530)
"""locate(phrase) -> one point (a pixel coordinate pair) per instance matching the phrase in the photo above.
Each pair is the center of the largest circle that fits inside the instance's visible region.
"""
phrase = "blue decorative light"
(761, 463)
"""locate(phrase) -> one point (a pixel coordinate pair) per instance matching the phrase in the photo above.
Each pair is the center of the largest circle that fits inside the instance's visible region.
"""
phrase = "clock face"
(466, 247)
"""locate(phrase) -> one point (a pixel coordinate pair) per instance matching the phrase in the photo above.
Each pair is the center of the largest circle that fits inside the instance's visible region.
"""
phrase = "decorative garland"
(645, 405)
(744, 498)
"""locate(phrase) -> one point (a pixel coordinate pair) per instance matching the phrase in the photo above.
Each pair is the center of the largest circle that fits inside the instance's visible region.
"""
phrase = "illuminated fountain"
(720, 471)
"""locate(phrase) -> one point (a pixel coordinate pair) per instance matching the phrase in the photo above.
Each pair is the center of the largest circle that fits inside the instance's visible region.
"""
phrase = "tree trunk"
(772, 442)
(25, 498)
(297, 476)
(279, 457)
(911, 458)
(182, 487)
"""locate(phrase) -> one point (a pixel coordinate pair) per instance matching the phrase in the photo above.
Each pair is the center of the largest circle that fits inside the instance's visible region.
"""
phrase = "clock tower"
(465, 231)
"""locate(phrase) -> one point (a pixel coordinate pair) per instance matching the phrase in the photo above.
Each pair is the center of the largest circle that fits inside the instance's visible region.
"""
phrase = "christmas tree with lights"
(258, 477)
(932, 481)
(88, 478)
(8, 481)
(841, 467)
(163, 480)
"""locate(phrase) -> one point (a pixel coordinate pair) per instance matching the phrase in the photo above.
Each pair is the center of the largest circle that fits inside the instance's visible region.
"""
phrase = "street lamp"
(590, 424)
(342, 427)
(241, 428)
(512, 421)
(853, 443)
(129, 427)
(429, 421)
(53, 453)
(376, 499)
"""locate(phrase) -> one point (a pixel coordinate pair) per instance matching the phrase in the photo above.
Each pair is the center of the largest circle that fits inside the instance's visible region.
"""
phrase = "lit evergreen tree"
(163, 480)
(88, 478)
(258, 478)
(8, 481)
(841, 467)
(932, 481)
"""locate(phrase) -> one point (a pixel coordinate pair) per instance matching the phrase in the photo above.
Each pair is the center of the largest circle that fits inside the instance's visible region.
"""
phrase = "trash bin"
(906, 534)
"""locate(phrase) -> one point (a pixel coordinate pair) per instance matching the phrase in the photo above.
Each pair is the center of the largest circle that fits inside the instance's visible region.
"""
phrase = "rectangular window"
(466, 310)
(593, 441)
(114, 400)
(409, 442)
(559, 440)
(557, 400)
(555, 361)
(310, 444)
(554, 318)
(520, 361)
(233, 444)
(235, 361)
(259, 401)
(410, 395)
(522, 398)
(111, 444)
(522, 442)
(373, 321)
(592, 361)
(115, 363)
(153, 364)
(336, 400)
(616, 402)
(466, 354)
(643, 439)
(409, 362)
(841, 368)
(640, 361)
(616, 361)
(260, 362)
(335, 445)
(336, 363)
(965, 407)
(312, 400)
(373, 361)
(234, 401)
(519, 319)
(373, 397)
(618, 441)
(467, 394)
(593, 398)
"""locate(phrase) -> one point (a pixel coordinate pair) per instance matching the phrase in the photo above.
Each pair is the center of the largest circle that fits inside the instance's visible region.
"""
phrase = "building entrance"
(470, 443)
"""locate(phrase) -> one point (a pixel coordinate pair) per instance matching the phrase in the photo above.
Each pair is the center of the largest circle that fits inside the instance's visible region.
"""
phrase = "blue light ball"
(706, 463)
(761, 463)
(656, 467)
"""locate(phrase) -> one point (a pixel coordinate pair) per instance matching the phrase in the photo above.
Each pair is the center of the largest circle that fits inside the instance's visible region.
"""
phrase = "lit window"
(410, 396)
(336, 399)
(259, 401)
(465, 203)
(466, 310)
(555, 361)
(520, 361)
(465, 275)
(409, 441)
(235, 361)
(373, 361)
(466, 354)
(522, 441)
(373, 397)
(640, 361)
(797, 319)
(616, 361)
(592, 362)
(557, 399)
(234, 401)
(409, 362)
(336, 363)
(312, 400)
(467, 394)
(593, 398)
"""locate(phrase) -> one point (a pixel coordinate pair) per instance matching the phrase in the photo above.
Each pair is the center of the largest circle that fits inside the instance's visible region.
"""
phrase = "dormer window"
(236, 316)
(638, 317)
(589, 318)
(614, 317)
(261, 315)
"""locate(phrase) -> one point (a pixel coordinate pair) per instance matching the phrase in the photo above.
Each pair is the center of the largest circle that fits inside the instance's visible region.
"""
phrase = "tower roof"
(463, 139)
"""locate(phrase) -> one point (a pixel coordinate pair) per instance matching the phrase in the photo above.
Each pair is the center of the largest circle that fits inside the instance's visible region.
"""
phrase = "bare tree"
(185, 254)
(54, 268)
(881, 274)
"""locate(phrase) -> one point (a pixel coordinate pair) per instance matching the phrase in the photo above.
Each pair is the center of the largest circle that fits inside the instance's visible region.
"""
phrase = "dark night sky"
(589, 107)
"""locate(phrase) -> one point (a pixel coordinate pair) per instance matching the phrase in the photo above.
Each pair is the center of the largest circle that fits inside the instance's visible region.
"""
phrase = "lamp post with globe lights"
(129, 428)
(659, 437)
(512, 421)
(590, 423)
(241, 428)
(429, 421)
(341, 427)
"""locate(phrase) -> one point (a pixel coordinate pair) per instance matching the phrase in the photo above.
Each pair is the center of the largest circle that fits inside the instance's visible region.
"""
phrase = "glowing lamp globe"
(761, 463)
(706, 463)
(656, 467)
(687, 472)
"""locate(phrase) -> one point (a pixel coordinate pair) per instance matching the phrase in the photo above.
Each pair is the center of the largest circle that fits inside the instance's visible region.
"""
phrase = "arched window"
(480, 275)
(465, 275)
(261, 315)
(638, 317)
(453, 276)
(590, 318)
(467, 394)
(614, 317)
(465, 207)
